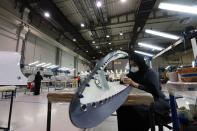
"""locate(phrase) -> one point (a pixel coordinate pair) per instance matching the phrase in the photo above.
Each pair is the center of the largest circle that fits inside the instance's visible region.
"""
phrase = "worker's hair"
(139, 60)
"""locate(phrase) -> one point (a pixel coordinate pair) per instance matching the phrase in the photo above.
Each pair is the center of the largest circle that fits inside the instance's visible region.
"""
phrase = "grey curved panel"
(96, 99)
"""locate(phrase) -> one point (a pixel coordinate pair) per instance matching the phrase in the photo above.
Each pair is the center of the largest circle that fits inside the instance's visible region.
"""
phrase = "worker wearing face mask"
(136, 118)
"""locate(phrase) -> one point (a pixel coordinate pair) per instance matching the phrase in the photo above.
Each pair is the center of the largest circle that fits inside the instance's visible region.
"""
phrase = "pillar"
(58, 59)
(194, 47)
(76, 65)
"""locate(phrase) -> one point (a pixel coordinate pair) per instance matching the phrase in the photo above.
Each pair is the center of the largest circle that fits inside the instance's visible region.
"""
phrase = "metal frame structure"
(144, 10)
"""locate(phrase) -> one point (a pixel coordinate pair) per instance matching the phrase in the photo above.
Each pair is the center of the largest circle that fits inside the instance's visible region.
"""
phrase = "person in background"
(78, 79)
(37, 82)
(136, 118)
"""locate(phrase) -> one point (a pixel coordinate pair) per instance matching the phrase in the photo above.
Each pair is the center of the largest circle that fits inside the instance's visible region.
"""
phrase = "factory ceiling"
(100, 26)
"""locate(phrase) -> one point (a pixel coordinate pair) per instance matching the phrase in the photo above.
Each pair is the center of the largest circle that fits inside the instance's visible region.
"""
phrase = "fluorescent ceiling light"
(87, 51)
(107, 36)
(121, 33)
(98, 4)
(123, 1)
(109, 43)
(41, 64)
(178, 8)
(97, 47)
(150, 46)
(63, 69)
(33, 63)
(70, 69)
(49, 66)
(143, 53)
(53, 66)
(93, 42)
(74, 40)
(73, 69)
(46, 14)
(82, 25)
(46, 65)
(162, 34)
(167, 67)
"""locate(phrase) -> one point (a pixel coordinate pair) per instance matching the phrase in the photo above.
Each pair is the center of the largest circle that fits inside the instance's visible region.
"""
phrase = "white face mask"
(134, 69)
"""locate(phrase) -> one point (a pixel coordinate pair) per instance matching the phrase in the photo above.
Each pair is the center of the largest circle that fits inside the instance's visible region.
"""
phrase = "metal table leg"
(10, 114)
(40, 89)
(175, 122)
(48, 85)
(152, 117)
(55, 86)
(49, 117)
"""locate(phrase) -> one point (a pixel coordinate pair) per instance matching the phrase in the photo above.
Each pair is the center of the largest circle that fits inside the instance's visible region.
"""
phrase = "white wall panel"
(67, 60)
(37, 49)
(45, 51)
(82, 66)
(6, 43)
(159, 61)
(7, 36)
(30, 49)
(187, 58)
(178, 58)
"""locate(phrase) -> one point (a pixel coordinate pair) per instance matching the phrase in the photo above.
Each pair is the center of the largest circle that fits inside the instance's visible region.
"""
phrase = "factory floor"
(30, 114)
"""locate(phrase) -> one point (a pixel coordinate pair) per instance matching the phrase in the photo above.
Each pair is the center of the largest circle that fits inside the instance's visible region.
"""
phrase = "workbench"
(45, 83)
(136, 97)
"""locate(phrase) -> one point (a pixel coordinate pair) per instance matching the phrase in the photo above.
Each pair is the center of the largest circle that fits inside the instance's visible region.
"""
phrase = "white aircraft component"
(97, 94)
(96, 98)
(10, 72)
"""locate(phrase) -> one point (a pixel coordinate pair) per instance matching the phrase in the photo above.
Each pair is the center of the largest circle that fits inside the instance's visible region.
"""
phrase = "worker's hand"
(129, 81)
(122, 77)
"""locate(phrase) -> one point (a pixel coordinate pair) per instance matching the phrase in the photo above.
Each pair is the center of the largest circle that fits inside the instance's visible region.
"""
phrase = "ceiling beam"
(154, 12)
(130, 23)
(114, 42)
(142, 15)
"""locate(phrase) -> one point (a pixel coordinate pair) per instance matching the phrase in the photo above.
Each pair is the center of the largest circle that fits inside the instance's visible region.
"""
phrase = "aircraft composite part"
(10, 72)
(96, 98)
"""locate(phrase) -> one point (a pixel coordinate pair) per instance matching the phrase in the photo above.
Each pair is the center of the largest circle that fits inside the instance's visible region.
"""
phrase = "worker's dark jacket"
(149, 82)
